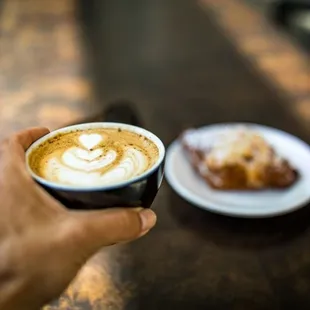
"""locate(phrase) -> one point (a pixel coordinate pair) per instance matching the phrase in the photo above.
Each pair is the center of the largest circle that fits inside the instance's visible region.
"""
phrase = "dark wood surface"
(43, 77)
(268, 48)
(180, 70)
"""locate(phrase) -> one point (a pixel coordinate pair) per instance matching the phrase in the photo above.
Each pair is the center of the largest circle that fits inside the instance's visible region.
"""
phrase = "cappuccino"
(99, 156)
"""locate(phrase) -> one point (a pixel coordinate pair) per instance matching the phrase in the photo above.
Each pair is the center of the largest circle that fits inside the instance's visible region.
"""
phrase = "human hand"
(42, 244)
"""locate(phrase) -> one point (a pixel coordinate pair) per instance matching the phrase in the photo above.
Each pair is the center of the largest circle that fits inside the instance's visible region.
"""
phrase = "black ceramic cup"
(136, 192)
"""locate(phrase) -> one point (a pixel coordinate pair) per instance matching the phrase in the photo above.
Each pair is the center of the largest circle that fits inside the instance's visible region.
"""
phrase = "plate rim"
(187, 195)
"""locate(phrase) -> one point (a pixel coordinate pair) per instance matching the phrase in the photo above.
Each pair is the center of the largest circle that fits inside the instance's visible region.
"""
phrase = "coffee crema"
(93, 157)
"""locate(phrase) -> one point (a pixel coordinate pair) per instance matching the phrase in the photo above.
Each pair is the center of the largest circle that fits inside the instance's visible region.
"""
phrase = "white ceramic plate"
(187, 183)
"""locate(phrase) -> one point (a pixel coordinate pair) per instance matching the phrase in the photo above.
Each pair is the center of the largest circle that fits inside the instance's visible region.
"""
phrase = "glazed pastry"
(237, 159)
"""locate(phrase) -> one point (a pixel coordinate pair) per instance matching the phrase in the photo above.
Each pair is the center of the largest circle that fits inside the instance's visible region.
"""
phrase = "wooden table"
(175, 62)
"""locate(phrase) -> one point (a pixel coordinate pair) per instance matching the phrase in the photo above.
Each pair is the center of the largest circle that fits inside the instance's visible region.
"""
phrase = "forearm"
(13, 296)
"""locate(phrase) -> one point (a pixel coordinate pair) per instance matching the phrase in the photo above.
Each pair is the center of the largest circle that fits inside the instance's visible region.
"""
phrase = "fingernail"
(138, 209)
(148, 218)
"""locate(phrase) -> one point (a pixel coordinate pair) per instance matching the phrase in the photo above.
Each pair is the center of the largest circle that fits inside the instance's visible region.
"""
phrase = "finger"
(21, 141)
(96, 229)
(26, 137)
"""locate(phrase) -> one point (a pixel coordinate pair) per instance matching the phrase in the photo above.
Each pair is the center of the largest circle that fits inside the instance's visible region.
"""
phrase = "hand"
(42, 244)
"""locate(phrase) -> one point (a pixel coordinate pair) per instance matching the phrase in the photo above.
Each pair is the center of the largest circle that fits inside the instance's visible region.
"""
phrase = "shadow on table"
(238, 232)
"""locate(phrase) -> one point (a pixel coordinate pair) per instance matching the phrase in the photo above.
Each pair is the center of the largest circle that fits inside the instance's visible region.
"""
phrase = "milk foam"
(132, 164)
(94, 162)
(87, 160)
(91, 140)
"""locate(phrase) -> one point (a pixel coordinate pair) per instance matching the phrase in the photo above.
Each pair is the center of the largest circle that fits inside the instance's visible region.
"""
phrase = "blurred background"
(291, 15)
(61, 61)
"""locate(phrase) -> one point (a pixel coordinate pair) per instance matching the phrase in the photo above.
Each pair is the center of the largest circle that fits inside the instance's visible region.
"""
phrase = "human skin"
(42, 244)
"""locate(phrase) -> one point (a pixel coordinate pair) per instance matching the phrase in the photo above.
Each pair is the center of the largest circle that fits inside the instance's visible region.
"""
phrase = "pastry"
(237, 158)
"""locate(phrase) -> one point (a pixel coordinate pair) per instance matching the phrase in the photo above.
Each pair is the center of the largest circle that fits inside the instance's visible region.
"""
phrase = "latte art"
(94, 157)
(87, 160)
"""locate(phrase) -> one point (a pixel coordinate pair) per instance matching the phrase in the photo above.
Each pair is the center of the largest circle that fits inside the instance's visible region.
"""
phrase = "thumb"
(95, 229)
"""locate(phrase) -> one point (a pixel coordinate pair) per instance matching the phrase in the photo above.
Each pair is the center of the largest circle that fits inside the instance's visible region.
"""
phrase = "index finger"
(26, 137)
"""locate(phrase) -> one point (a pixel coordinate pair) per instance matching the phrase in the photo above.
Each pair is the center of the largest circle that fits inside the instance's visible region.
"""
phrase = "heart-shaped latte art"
(90, 158)
(87, 155)
(89, 141)
(83, 167)
(83, 160)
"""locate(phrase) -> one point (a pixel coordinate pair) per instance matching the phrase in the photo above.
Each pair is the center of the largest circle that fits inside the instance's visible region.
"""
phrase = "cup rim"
(86, 126)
